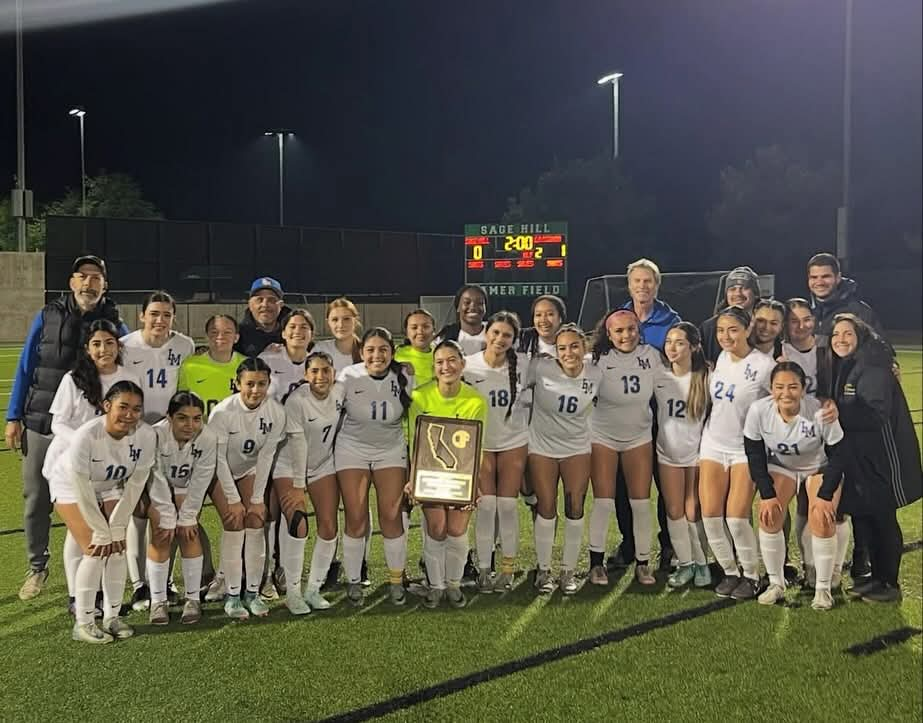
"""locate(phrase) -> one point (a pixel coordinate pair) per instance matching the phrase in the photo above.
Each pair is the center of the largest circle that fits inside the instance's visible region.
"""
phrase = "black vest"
(62, 332)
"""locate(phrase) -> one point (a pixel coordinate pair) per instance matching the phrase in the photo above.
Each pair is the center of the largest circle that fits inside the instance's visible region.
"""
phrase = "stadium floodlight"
(280, 134)
(79, 112)
(614, 79)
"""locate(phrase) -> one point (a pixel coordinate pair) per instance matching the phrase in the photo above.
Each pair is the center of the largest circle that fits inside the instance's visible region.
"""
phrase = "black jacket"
(844, 299)
(254, 340)
(62, 330)
(881, 452)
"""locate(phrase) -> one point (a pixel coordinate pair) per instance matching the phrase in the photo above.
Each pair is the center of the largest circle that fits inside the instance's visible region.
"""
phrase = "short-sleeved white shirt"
(157, 369)
(71, 408)
(797, 445)
(247, 431)
(807, 360)
(109, 462)
(561, 407)
(373, 420)
(502, 432)
(679, 435)
(623, 406)
(285, 374)
(734, 386)
(340, 360)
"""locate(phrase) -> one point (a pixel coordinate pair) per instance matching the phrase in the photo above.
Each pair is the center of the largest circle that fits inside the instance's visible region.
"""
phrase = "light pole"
(614, 79)
(842, 235)
(280, 134)
(79, 113)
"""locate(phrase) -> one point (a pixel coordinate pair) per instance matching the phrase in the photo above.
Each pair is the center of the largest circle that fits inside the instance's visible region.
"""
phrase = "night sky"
(425, 115)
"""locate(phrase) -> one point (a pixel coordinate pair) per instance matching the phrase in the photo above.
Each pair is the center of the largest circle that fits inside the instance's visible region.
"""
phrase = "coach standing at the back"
(49, 352)
(260, 325)
(832, 294)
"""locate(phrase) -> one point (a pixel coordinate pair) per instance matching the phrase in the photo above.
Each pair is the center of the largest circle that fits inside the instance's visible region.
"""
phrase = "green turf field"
(657, 654)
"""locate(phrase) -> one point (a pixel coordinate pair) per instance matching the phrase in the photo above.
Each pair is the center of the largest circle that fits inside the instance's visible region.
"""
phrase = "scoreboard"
(517, 259)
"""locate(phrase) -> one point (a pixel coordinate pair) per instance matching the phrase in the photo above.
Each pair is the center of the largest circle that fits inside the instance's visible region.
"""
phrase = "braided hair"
(393, 366)
(85, 374)
(511, 319)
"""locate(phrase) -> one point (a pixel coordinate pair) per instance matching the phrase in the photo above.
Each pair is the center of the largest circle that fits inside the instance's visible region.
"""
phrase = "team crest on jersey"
(173, 359)
(395, 389)
(749, 374)
(134, 453)
(807, 430)
(644, 363)
(265, 427)
(196, 452)
(587, 386)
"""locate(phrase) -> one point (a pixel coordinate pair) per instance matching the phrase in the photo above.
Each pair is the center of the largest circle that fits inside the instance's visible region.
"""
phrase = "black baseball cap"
(89, 259)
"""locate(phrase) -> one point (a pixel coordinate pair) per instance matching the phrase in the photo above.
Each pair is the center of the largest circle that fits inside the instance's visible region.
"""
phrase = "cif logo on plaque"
(445, 460)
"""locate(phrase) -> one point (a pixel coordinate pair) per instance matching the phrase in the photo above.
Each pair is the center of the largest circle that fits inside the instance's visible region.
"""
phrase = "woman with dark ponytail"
(497, 374)
(371, 448)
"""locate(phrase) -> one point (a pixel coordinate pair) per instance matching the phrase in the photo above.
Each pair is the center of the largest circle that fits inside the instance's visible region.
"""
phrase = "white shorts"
(799, 477)
(282, 467)
(668, 461)
(619, 446)
(558, 454)
(722, 457)
(325, 469)
(345, 459)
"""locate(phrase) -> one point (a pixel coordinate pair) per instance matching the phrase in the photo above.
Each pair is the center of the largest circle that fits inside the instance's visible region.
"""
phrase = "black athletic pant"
(623, 513)
(882, 534)
(860, 550)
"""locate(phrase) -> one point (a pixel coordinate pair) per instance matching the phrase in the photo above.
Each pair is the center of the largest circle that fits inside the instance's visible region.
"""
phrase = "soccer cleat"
(503, 582)
(354, 593)
(333, 575)
(192, 612)
(268, 590)
(172, 593)
(598, 575)
(90, 633)
(33, 584)
(643, 574)
(702, 576)
(665, 560)
(140, 598)
(278, 579)
(433, 598)
(727, 586)
(316, 600)
(217, 590)
(771, 595)
(790, 573)
(364, 574)
(746, 589)
(544, 583)
(255, 604)
(296, 604)
(235, 609)
(861, 565)
(884, 593)
(485, 584)
(118, 628)
(455, 596)
(836, 580)
(397, 593)
(567, 582)
(619, 560)
(72, 607)
(470, 574)
(823, 600)
(160, 613)
(681, 576)
(863, 587)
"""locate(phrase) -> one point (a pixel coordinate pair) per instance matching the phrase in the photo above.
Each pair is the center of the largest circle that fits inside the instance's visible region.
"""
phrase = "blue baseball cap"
(266, 283)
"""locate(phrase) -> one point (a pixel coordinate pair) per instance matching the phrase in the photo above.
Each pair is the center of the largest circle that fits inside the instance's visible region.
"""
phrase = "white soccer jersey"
(190, 469)
(472, 343)
(734, 386)
(502, 432)
(623, 405)
(70, 409)
(798, 445)
(311, 427)
(373, 420)
(807, 360)
(107, 468)
(156, 368)
(679, 435)
(285, 373)
(340, 360)
(247, 442)
(561, 409)
(546, 349)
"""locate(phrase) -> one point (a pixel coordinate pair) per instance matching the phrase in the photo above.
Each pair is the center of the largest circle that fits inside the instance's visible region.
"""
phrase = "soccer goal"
(694, 294)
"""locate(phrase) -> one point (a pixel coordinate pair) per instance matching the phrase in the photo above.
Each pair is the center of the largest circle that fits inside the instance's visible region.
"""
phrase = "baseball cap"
(89, 259)
(743, 276)
(266, 283)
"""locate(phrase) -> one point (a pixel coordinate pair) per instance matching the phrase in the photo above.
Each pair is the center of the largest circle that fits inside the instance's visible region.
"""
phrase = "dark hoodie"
(655, 327)
(843, 299)
(253, 339)
(881, 456)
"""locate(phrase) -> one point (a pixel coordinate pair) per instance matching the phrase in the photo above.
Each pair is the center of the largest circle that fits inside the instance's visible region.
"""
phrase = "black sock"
(596, 558)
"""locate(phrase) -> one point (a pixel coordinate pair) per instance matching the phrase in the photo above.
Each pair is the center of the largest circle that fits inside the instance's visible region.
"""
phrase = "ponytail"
(511, 362)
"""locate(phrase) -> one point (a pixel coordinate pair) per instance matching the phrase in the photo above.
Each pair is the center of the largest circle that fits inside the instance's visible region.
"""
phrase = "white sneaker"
(118, 628)
(316, 600)
(485, 584)
(643, 574)
(160, 613)
(217, 590)
(567, 582)
(192, 612)
(235, 609)
(823, 600)
(268, 591)
(455, 596)
(33, 584)
(255, 604)
(771, 595)
(544, 583)
(90, 633)
(296, 604)
(504, 582)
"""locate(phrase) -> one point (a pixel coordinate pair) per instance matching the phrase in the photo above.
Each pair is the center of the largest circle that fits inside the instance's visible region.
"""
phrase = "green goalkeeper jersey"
(210, 380)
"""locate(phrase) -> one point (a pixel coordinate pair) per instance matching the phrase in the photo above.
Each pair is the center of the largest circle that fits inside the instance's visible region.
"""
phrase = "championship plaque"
(445, 460)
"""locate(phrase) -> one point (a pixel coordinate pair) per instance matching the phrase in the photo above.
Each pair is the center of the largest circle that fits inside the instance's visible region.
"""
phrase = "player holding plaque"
(445, 452)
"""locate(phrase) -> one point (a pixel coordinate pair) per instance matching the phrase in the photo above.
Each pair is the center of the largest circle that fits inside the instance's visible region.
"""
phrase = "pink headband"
(617, 315)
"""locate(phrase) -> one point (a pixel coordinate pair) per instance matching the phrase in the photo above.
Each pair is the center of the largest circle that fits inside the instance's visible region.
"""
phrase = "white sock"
(697, 542)
(396, 553)
(291, 557)
(842, 543)
(135, 549)
(485, 529)
(72, 557)
(192, 576)
(114, 575)
(232, 548)
(573, 537)
(272, 543)
(321, 557)
(405, 519)
(368, 535)
(544, 540)
(603, 509)
(254, 557)
(424, 535)
(720, 545)
(434, 556)
(353, 549)
(772, 547)
(824, 550)
(508, 516)
(745, 544)
(157, 579)
(805, 542)
(641, 528)
(456, 554)
(86, 584)
(680, 537)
